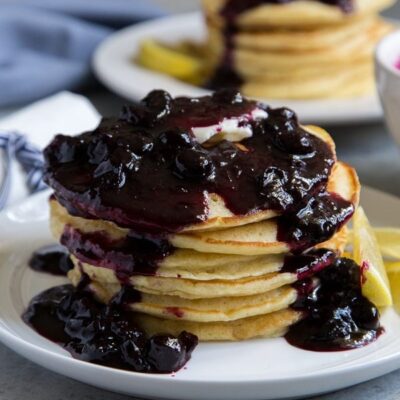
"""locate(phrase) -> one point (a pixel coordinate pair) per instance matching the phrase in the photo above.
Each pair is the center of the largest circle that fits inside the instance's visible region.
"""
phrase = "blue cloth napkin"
(46, 45)
(30, 158)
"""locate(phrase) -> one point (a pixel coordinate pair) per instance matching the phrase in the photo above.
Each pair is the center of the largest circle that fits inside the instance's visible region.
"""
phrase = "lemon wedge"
(393, 273)
(366, 253)
(389, 241)
(160, 58)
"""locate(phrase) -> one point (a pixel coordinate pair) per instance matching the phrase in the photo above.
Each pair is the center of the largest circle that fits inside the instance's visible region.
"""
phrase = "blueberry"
(273, 184)
(81, 328)
(127, 332)
(158, 102)
(174, 139)
(365, 314)
(228, 96)
(97, 151)
(104, 349)
(103, 168)
(133, 356)
(339, 326)
(62, 150)
(286, 133)
(122, 156)
(193, 164)
(140, 144)
(342, 273)
(133, 114)
(166, 353)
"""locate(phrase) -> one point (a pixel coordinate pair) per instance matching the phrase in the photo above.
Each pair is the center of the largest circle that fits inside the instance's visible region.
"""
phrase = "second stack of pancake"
(297, 49)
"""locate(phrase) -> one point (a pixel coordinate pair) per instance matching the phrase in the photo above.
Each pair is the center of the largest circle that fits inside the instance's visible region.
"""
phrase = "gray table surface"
(367, 147)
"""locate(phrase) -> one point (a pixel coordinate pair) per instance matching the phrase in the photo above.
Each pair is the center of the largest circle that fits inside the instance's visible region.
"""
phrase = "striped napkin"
(25, 133)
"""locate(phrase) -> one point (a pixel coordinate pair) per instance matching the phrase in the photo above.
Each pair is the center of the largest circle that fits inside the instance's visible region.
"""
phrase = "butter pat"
(232, 129)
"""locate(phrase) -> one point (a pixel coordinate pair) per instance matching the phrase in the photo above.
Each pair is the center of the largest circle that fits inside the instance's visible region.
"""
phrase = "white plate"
(114, 67)
(252, 370)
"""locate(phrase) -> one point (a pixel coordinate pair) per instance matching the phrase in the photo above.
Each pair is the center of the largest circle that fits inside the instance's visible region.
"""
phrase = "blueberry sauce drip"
(234, 8)
(337, 315)
(52, 259)
(147, 172)
(308, 264)
(225, 75)
(132, 255)
(105, 335)
(315, 221)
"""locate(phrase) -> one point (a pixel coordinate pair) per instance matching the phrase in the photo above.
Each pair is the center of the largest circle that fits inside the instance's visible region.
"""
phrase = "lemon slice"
(366, 251)
(160, 58)
(393, 272)
(389, 241)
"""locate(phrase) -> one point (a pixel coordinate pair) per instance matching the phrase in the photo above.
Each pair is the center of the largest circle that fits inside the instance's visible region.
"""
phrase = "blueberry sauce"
(52, 259)
(133, 255)
(336, 314)
(145, 171)
(105, 335)
(315, 221)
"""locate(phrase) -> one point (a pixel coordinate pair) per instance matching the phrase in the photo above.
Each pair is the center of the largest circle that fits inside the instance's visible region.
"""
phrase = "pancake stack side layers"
(210, 210)
(294, 49)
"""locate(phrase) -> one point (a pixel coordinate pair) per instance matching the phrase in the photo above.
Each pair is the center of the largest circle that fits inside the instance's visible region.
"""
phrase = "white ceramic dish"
(113, 65)
(252, 370)
(387, 68)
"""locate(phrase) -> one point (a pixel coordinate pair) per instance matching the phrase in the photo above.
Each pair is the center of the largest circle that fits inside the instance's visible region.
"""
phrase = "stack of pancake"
(222, 281)
(298, 49)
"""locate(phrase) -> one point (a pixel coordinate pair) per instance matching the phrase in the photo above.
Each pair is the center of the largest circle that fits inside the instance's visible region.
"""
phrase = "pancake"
(249, 266)
(352, 81)
(312, 39)
(216, 309)
(267, 326)
(296, 14)
(200, 310)
(219, 216)
(188, 264)
(187, 288)
(273, 323)
(252, 61)
(356, 50)
(249, 281)
(321, 42)
(252, 239)
(261, 237)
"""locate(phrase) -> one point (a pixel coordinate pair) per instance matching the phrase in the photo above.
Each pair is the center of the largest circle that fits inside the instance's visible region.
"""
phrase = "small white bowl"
(387, 71)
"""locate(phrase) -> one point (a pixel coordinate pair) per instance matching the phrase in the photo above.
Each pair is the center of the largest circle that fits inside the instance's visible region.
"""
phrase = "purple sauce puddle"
(52, 259)
(105, 334)
(336, 315)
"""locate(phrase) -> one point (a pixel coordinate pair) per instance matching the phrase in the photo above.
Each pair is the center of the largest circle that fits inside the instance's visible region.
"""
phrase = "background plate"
(114, 66)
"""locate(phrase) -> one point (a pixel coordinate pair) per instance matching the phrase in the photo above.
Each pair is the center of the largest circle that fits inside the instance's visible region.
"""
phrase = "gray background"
(368, 147)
